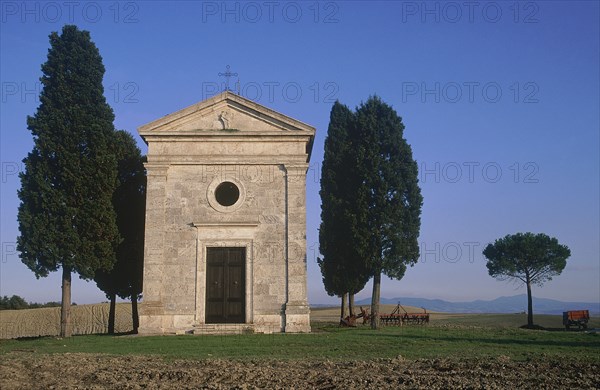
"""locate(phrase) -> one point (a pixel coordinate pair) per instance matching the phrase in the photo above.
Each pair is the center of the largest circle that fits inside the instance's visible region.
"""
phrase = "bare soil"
(26, 370)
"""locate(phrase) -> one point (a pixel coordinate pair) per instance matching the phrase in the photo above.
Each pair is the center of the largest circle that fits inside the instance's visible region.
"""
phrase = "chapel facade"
(225, 233)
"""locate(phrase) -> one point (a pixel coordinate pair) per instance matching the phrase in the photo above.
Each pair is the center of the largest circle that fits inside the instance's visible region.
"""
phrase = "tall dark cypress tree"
(343, 271)
(388, 198)
(66, 217)
(129, 201)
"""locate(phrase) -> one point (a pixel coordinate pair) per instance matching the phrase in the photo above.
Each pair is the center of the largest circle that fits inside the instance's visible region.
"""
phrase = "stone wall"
(175, 290)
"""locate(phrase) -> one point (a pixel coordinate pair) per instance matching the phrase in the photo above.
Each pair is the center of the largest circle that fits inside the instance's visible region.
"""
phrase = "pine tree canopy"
(528, 257)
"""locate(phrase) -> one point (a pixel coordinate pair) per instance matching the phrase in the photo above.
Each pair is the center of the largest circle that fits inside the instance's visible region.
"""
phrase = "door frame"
(201, 258)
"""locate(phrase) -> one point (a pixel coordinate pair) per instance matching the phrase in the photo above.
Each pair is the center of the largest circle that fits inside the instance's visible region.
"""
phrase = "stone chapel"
(225, 234)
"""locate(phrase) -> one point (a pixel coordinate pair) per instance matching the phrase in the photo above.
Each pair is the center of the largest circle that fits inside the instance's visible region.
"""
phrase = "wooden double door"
(225, 285)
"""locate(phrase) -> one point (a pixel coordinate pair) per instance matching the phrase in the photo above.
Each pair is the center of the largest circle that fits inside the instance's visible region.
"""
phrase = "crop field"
(85, 319)
(453, 351)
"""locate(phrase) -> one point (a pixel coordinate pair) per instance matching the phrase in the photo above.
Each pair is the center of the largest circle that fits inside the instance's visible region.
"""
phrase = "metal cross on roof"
(227, 76)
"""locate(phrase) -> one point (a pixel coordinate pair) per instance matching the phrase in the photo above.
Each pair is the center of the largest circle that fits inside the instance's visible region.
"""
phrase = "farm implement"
(578, 318)
(351, 320)
(396, 317)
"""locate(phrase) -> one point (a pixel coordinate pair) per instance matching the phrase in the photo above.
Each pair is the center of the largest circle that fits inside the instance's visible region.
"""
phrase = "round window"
(227, 194)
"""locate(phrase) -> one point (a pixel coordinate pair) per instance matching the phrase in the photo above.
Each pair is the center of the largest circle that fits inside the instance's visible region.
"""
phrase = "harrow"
(396, 317)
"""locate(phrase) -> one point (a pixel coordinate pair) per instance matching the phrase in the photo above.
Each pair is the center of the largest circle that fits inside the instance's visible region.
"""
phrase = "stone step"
(222, 329)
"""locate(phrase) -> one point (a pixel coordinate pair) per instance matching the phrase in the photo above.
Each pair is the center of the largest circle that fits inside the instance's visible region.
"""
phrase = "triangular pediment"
(225, 113)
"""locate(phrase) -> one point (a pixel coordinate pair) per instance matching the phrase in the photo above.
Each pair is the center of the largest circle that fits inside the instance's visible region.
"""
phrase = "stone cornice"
(153, 169)
(221, 225)
(296, 169)
(223, 135)
(227, 160)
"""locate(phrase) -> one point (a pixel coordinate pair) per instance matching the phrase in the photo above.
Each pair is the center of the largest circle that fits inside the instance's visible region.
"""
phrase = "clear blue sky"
(500, 102)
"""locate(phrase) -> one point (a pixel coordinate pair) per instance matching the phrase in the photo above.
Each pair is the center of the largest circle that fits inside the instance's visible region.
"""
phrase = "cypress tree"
(388, 198)
(129, 201)
(342, 270)
(66, 217)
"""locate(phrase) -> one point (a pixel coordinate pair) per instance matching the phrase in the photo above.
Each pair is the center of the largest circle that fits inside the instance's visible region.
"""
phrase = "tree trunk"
(344, 308)
(351, 304)
(65, 311)
(134, 312)
(529, 305)
(375, 300)
(111, 313)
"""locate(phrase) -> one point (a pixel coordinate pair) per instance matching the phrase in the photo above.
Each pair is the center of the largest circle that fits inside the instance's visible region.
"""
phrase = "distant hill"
(513, 304)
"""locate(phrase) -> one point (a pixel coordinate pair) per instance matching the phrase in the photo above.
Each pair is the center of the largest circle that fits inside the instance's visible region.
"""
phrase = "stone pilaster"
(152, 308)
(297, 311)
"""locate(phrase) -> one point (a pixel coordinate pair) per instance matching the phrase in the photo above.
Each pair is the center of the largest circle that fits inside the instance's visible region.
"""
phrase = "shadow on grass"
(33, 338)
(116, 334)
(484, 340)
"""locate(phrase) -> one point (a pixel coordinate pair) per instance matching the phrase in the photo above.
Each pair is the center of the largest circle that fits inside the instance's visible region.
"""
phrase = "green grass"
(331, 342)
(551, 322)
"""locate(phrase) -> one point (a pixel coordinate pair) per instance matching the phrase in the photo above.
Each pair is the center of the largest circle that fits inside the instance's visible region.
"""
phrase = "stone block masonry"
(225, 242)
